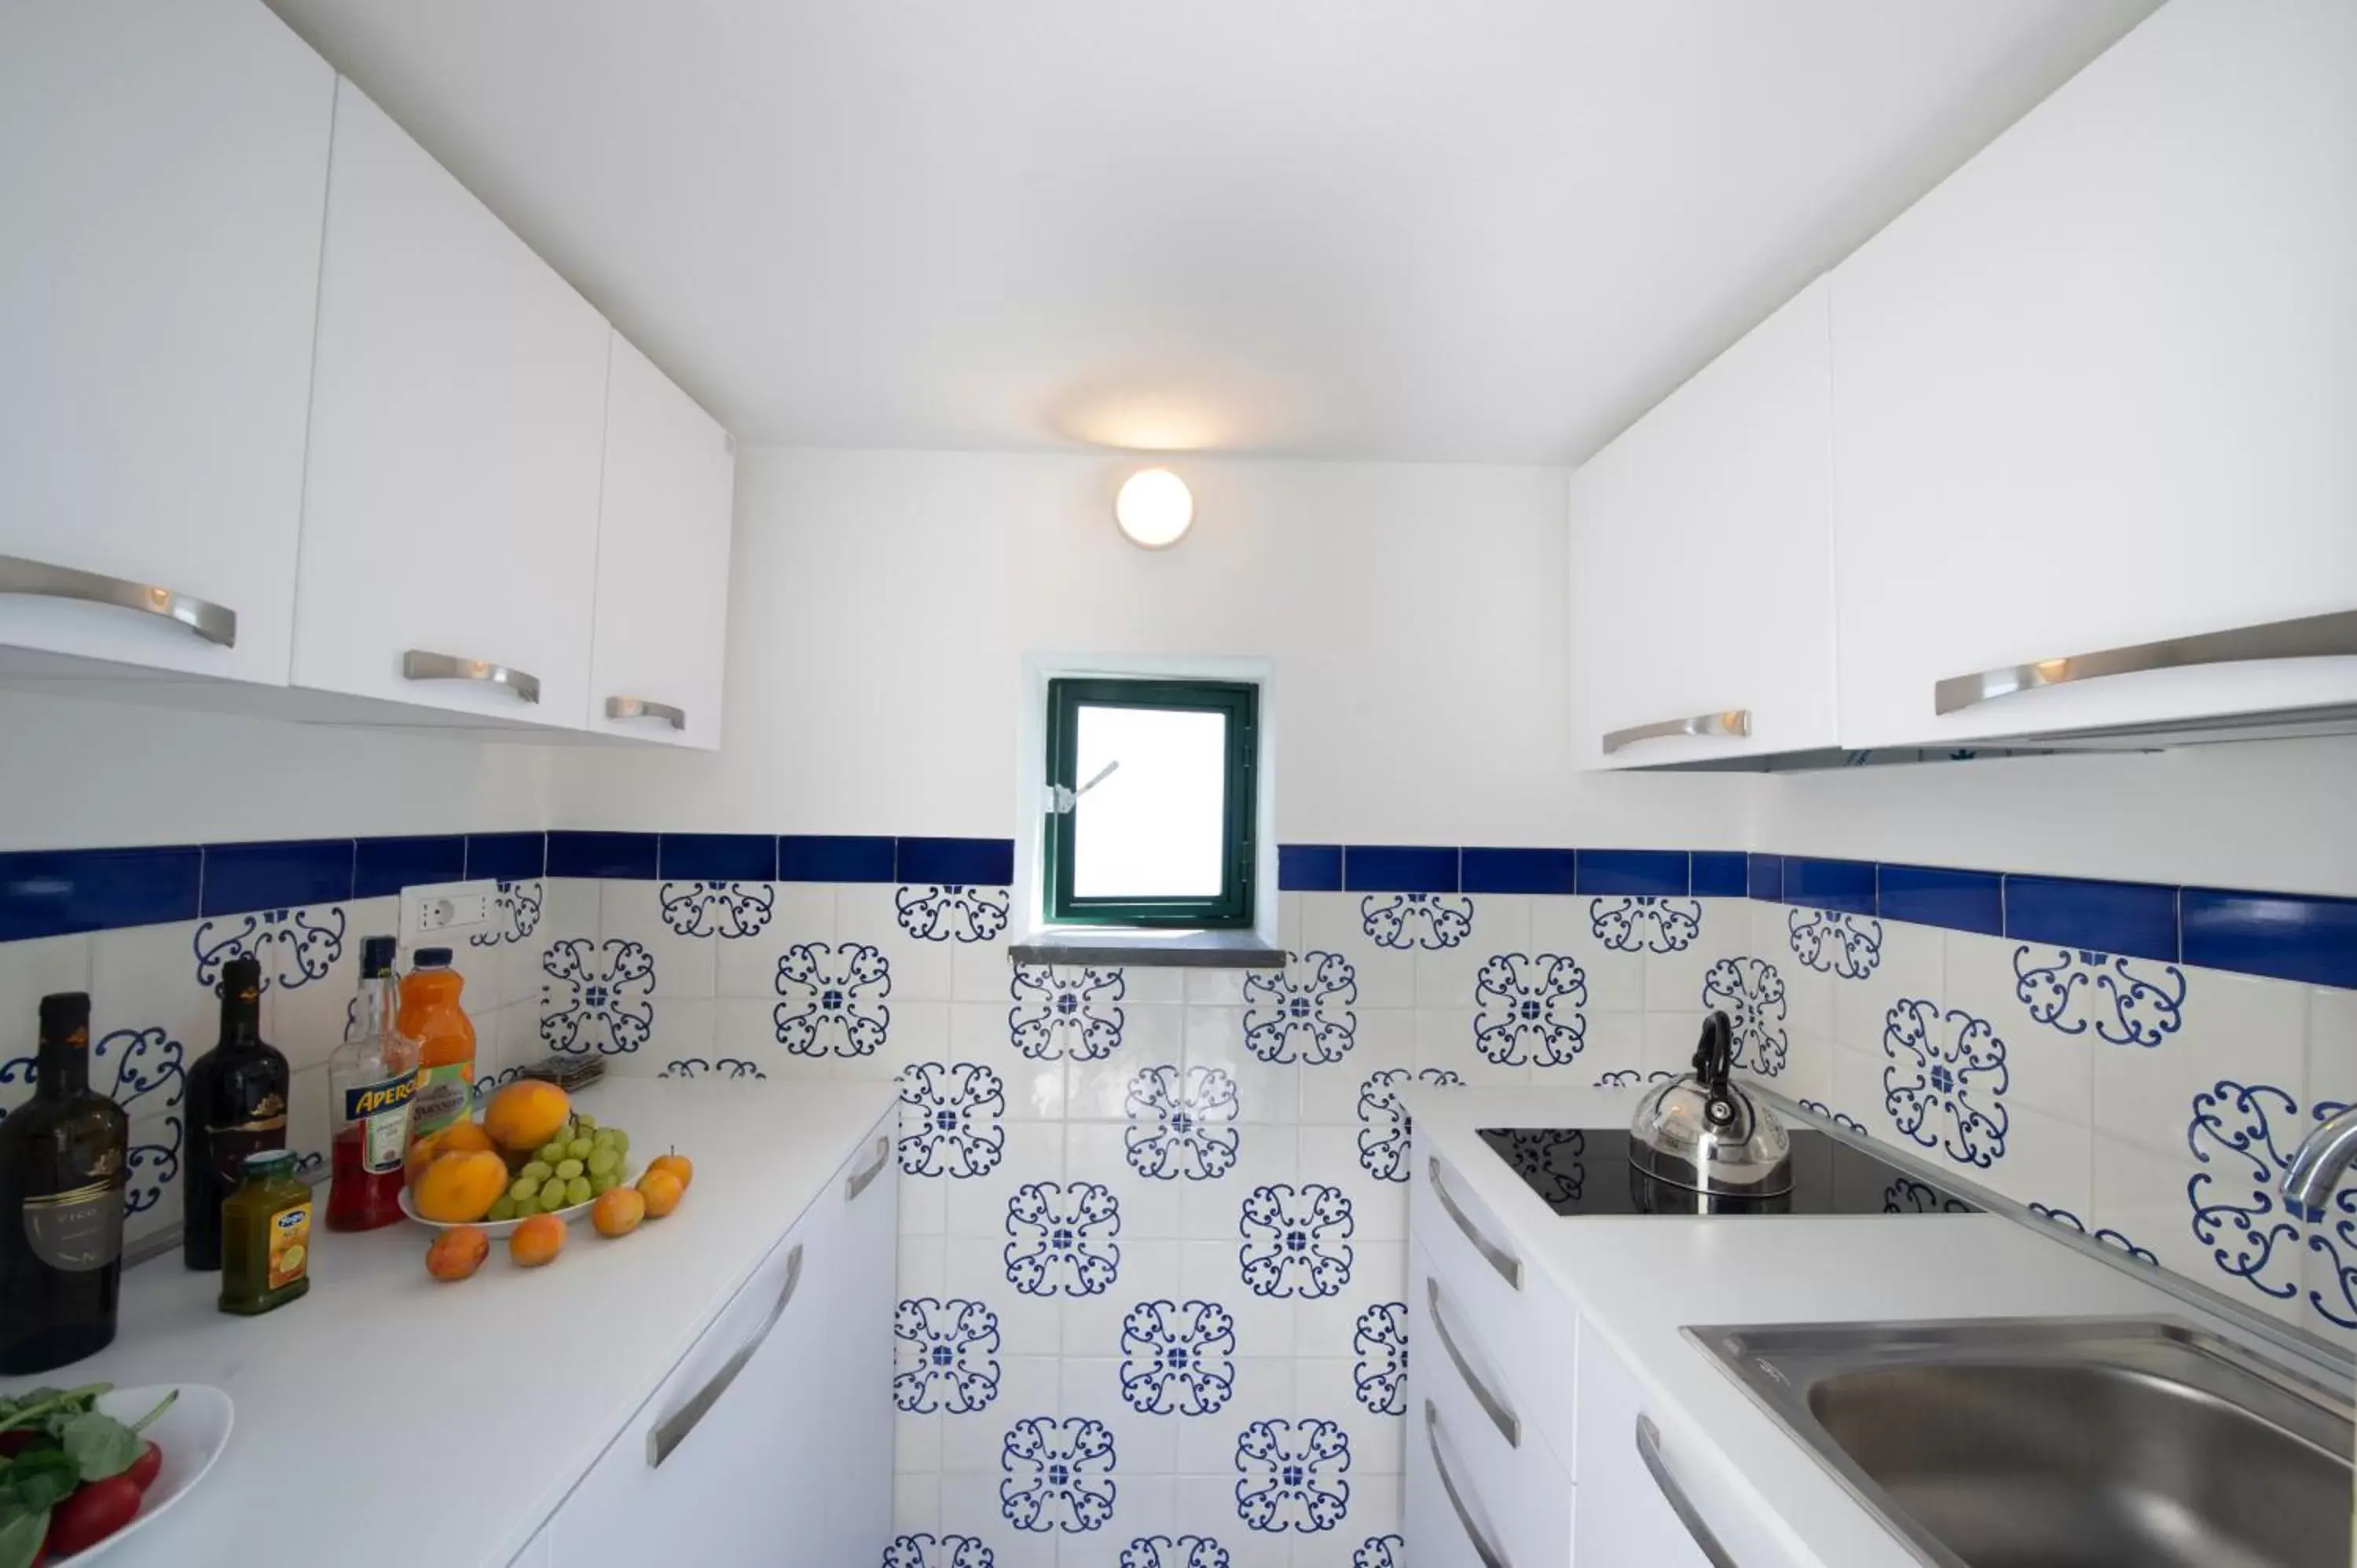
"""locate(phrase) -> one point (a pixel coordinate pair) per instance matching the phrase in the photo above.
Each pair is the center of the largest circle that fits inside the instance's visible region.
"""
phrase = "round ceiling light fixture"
(1153, 508)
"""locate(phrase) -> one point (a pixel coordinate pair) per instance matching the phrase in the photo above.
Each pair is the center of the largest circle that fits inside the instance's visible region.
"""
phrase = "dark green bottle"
(63, 1170)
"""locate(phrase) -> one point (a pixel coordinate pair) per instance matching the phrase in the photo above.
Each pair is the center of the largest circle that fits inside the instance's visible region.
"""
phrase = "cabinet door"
(162, 167)
(458, 415)
(863, 1297)
(1702, 561)
(663, 561)
(741, 1426)
(1625, 1513)
(2097, 389)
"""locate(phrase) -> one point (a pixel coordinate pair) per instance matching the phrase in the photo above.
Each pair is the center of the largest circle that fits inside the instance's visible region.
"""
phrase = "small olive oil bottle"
(265, 1236)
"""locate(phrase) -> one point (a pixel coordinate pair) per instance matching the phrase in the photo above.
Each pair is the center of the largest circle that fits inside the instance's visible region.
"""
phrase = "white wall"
(78, 773)
(882, 602)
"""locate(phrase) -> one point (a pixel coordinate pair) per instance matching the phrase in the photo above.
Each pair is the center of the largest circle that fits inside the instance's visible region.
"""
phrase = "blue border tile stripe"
(957, 862)
(1645, 872)
(2285, 937)
(630, 857)
(59, 892)
(1844, 884)
(1764, 876)
(384, 866)
(833, 857)
(1309, 868)
(280, 874)
(1720, 874)
(1516, 870)
(1398, 869)
(718, 857)
(506, 857)
(2136, 919)
(1936, 896)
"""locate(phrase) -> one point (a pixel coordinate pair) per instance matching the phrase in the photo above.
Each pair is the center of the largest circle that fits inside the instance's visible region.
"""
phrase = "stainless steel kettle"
(1702, 1133)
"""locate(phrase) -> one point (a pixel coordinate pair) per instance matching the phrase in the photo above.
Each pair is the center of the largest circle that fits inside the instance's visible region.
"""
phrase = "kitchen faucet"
(2317, 1164)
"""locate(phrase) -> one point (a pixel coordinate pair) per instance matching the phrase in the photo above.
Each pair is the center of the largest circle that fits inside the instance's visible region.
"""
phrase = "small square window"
(1152, 794)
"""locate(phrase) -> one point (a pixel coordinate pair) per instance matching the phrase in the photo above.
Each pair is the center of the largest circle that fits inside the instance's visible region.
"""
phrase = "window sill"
(1134, 948)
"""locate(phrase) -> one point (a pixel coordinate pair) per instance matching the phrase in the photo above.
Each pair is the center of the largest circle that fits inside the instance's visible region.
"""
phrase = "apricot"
(462, 1138)
(535, 1241)
(617, 1211)
(677, 1164)
(458, 1252)
(458, 1189)
(661, 1190)
(526, 1114)
(421, 1155)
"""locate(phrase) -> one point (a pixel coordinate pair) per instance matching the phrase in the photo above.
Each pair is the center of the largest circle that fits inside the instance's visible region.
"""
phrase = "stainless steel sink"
(2043, 1443)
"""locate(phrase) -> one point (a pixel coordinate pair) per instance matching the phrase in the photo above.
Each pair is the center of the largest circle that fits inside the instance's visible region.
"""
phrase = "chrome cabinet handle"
(672, 1430)
(1648, 1449)
(640, 708)
(1509, 1266)
(1490, 1556)
(1734, 722)
(214, 623)
(858, 1182)
(419, 665)
(1508, 1424)
(2310, 637)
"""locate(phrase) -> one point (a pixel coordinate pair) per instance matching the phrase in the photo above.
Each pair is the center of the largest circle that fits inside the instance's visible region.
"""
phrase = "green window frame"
(1232, 908)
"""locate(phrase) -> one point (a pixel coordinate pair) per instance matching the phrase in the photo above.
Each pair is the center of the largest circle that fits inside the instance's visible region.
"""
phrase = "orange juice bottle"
(430, 1016)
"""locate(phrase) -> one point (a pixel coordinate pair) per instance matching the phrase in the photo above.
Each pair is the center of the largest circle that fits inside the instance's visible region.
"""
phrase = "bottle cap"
(269, 1163)
(242, 976)
(433, 958)
(376, 957)
(65, 1013)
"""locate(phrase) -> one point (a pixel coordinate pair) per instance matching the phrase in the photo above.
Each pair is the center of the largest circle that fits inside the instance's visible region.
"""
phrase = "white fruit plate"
(191, 1434)
(496, 1228)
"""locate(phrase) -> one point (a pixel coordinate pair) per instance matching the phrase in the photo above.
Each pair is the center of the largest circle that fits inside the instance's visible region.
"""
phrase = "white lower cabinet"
(857, 1420)
(1628, 1516)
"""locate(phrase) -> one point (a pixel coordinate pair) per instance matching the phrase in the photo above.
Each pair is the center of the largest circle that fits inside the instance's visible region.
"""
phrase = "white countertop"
(1637, 1280)
(389, 1418)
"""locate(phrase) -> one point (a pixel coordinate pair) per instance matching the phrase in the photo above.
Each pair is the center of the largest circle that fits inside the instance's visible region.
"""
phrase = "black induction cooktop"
(1585, 1171)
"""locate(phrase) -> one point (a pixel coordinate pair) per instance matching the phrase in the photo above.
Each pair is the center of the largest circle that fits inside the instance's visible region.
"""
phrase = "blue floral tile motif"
(491, 1082)
(2240, 1130)
(515, 915)
(1847, 947)
(2107, 1236)
(727, 1067)
(1178, 1357)
(944, 1356)
(952, 914)
(294, 947)
(1174, 1551)
(594, 999)
(140, 1070)
(1182, 1124)
(1289, 1476)
(1379, 1374)
(1381, 1551)
(833, 999)
(1409, 921)
(1628, 1077)
(950, 1115)
(2125, 1000)
(1645, 923)
(1064, 1238)
(1850, 1124)
(928, 1550)
(1302, 1013)
(1530, 1007)
(1058, 1474)
(1945, 1087)
(716, 909)
(1905, 1195)
(1554, 1161)
(1384, 1124)
(1752, 994)
(1063, 1013)
(1297, 1241)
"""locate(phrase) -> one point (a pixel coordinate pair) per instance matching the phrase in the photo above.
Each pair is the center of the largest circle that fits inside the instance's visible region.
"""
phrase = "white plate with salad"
(95, 1465)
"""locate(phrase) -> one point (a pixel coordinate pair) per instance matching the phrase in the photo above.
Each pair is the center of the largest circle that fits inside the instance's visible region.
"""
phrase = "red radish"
(96, 1510)
(144, 1470)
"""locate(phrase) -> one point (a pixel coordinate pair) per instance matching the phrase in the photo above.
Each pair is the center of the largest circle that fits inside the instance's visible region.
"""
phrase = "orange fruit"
(464, 1137)
(536, 1240)
(526, 1113)
(677, 1164)
(421, 1155)
(457, 1189)
(617, 1210)
(457, 1253)
(661, 1190)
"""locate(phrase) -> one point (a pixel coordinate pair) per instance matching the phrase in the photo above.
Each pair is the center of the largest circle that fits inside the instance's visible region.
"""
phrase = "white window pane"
(1151, 827)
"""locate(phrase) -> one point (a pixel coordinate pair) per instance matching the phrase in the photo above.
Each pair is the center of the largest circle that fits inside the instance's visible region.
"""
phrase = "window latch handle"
(1061, 799)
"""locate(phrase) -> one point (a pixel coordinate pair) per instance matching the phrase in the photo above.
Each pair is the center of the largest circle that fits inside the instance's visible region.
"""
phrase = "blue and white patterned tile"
(1444, 1043)
(971, 1441)
(1148, 1441)
(1116, 1155)
(1669, 1042)
(2053, 1072)
(1293, 1476)
(1185, 1125)
(1751, 991)
(1267, 1155)
(1385, 1042)
(29, 970)
(2046, 1160)
(1378, 1273)
(1352, 1392)
(1057, 1013)
(1298, 1239)
(971, 1509)
(1609, 953)
(1152, 1033)
(1208, 1502)
(1092, 1326)
(2253, 1031)
(145, 976)
(1447, 973)
(1307, 1012)
(1808, 993)
(1907, 961)
(1530, 1009)
(1330, 1155)
(1945, 1084)
(797, 913)
(635, 913)
(1337, 923)
(1681, 941)
(1268, 1091)
(1031, 1154)
(1616, 1044)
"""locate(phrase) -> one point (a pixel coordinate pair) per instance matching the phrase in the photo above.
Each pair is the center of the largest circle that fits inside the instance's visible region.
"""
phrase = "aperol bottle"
(372, 1081)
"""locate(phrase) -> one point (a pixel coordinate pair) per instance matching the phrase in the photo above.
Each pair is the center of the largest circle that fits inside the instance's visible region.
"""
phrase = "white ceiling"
(1430, 229)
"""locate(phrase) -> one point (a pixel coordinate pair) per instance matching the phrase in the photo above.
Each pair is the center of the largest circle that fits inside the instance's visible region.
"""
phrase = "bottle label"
(290, 1244)
(380, 1111)
(229, 1145)
(445, 1096)
(80, 1231)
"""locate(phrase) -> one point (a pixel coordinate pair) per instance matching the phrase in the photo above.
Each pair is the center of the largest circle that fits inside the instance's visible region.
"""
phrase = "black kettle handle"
(1713, 1056)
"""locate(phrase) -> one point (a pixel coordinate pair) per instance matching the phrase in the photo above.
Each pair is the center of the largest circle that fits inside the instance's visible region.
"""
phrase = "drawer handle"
(1508, 1265)
(2310, 637)
(858, 1181)
(1648, 1449)
(214, 623)
(640, 708)
(1490, 1556)
(1508, 1424)
(419, 665)
(1733, 721)
(672, 1430)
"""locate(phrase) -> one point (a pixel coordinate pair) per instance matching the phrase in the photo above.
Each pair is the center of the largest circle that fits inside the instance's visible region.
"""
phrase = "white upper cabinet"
(1701, 562)
(457, 413)
(663, 561)
(2099, 390)
(162, 167)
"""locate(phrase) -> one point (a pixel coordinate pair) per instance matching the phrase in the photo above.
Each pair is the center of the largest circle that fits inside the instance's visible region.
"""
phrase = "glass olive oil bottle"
(237, 1106)
(62, 1173)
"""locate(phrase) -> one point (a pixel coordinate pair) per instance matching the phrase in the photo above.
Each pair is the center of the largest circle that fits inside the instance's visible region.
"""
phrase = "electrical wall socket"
(440, 913)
